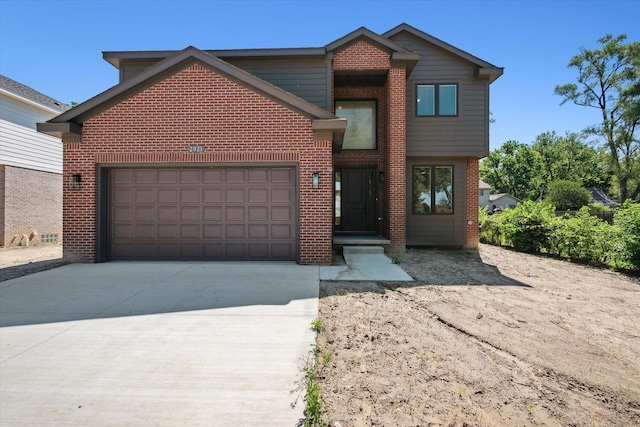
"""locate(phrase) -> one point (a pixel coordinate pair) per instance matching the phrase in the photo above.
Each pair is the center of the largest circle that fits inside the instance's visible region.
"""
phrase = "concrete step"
(352, 250)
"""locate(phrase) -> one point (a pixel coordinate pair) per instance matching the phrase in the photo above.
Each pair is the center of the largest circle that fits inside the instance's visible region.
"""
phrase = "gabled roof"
(69, 122)
(383, 42)
(485, 68)
(494, 197)
(602, 198)
(24, 91)
(483, 185)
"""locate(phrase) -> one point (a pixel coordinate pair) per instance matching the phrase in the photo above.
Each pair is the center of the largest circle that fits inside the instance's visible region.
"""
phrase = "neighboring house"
(30, 167)
(600, 197)
(503, 201)
(267, 154)
(485, 191)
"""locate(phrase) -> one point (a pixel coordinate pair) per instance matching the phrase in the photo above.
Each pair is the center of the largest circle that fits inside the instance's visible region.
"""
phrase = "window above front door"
(361, 124)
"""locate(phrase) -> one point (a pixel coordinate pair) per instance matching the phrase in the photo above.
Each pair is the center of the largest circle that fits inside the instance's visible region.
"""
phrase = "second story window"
(437, 100)
(361, 124)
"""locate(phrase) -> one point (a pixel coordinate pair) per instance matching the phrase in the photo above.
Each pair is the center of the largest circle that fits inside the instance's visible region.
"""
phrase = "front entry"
(355, 200)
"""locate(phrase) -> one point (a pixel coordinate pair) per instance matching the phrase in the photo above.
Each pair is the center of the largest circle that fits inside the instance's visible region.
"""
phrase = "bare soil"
(22, 260)
(488, 338)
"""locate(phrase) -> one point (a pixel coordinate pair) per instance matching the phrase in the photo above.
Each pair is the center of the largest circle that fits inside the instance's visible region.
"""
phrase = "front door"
(355, 200)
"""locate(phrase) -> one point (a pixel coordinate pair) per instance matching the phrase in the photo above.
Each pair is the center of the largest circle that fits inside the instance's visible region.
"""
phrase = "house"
(503, 201)
(600, 197)
(485, 191)
(30, 167)
(267, 154)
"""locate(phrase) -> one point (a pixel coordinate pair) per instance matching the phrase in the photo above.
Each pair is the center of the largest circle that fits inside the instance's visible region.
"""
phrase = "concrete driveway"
(150, 343)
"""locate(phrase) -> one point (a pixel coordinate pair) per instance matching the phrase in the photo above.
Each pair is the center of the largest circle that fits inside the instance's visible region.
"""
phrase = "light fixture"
(74, 181)
(315, 180)
(381, 176)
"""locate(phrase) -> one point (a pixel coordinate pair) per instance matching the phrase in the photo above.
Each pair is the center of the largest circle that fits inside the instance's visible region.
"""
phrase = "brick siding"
(390, 155)
(195, 106)
(30, 205)
(472, 230)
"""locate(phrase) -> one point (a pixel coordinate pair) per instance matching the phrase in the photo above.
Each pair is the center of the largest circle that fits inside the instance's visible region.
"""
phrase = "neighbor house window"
(437, 100)
(361, 124)
(432, 190)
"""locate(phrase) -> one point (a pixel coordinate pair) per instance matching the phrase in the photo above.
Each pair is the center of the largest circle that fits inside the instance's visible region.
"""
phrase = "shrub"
(566, 195)
(628, 219)
(527, 227)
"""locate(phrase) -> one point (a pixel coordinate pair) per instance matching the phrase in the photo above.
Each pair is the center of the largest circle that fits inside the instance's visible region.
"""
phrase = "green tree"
(609, 80)
(514, 168)
(565, 195)
(570, 158)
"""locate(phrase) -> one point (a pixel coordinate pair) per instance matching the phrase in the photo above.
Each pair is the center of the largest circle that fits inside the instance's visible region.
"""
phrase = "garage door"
(202, 214)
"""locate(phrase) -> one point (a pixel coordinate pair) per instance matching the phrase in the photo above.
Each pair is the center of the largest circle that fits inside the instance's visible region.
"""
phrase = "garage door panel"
(167, 213)
(212, 213)
(235, 231)
(190, 232)
(235, 214)
(258, 231)
(212, 232)
(202, 214)
(258, 195)
(167, 231)
(189, 195)
(235, 195)
(145, 213)
(167, 195)
(282, 195)
(189, 213)
(282, 213)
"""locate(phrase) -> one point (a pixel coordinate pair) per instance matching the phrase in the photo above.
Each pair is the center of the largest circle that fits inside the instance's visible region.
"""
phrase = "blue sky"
(56, 46)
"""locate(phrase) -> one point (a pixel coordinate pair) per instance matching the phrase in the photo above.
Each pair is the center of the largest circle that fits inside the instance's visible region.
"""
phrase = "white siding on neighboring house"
(20, 144)
(503, 201)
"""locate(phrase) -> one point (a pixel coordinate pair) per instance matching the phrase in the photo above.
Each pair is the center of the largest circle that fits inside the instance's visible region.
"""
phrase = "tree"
(565, 195)
(514, 168)
(570, 158)
(609, 80)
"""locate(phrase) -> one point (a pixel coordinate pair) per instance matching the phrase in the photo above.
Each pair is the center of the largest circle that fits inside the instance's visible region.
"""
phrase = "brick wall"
(30, 205)
(390, 156)
(360, 55)
(472, 231)
(198, 107)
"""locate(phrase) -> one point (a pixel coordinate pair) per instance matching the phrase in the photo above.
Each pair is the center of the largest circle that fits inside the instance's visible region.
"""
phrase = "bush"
(527, 227)
(583, 237)
(628, 219)
(567, 195)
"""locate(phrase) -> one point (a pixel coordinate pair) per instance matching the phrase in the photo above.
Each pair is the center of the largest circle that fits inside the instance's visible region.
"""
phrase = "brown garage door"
(202, 214)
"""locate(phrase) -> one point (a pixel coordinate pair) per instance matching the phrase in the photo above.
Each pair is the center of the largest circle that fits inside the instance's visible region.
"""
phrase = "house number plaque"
(196, 148)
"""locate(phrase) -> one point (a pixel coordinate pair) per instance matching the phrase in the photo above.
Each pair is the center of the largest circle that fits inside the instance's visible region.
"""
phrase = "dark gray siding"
(466, 134)
(307, 78)
(439, 230)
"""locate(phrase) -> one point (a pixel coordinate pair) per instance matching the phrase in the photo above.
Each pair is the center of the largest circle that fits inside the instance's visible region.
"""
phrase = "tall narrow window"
(437, 100)
(432, 190)
(361, 124)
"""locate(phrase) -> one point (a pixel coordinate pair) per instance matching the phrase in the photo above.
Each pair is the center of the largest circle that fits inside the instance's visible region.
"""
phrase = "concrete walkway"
(165, 344)
(365, 263)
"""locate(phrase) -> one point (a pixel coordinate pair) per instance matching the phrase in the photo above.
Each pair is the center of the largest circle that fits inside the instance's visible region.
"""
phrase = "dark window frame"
(436, 100)
(375, 117)
(432, 177)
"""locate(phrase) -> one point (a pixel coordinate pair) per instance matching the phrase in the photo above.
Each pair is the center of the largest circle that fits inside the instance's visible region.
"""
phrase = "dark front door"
(355, 200)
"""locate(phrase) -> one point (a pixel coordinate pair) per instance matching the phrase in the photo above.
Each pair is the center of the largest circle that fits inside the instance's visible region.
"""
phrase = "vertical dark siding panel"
(466, 134)
(438, 230)
(304, 77)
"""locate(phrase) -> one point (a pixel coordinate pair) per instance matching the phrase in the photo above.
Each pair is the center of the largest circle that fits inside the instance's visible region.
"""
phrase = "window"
(361, 124)
(437, 100)
(432, 190)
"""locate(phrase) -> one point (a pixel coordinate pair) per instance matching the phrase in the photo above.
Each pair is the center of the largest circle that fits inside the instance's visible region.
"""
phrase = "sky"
(56, 47)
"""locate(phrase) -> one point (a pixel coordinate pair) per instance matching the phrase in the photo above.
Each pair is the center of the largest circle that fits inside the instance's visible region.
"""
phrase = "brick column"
(397, 158)
(472, 231)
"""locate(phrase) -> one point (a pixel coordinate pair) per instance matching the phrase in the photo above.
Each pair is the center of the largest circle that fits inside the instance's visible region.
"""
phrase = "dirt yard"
(19, 261)
(495, 338)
